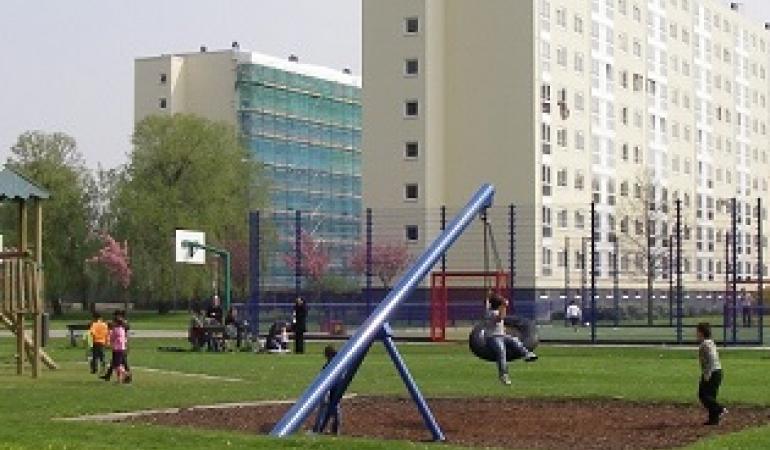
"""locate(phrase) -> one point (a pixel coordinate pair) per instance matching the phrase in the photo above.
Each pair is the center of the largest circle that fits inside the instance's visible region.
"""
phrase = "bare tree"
(646, 215)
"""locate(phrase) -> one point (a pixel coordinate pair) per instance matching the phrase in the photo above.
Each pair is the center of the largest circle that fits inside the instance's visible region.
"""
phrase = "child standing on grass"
(325, 415)
(711, 374)
(97, 334)
(119, 341)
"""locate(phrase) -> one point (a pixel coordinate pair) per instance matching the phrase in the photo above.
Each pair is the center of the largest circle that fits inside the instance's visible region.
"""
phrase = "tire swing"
(524, 329)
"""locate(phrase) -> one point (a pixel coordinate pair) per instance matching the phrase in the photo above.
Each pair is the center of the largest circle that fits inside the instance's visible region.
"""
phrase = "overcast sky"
(68, 65)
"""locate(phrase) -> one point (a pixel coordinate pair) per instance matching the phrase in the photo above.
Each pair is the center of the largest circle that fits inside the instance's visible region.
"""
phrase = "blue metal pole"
(297, 253)
(761, 274)
(679, 286)
(414, 391)
(370, 329)
(734, 287)
(254, 262)
(593, 272)
(368, 260)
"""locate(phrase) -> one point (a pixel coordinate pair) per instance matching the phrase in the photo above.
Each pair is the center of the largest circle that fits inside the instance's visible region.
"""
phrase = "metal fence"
(647, 272)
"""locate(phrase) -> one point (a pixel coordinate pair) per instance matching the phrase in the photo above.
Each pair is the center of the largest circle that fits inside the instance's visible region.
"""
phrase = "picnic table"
(76, 329)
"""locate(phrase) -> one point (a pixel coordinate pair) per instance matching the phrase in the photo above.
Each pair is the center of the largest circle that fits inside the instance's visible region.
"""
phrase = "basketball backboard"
(186, 255)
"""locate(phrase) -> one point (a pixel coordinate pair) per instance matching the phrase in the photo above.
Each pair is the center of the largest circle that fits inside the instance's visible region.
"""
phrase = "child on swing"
(498, 339)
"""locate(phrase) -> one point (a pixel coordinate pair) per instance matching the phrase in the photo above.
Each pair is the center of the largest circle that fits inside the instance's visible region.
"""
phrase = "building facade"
(631, 105)
(302, 122)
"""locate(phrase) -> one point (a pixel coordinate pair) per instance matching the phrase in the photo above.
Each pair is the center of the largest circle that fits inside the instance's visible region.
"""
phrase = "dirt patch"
(503, 423)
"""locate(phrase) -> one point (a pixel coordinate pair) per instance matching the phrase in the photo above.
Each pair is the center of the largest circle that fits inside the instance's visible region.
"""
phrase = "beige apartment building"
(561, 103)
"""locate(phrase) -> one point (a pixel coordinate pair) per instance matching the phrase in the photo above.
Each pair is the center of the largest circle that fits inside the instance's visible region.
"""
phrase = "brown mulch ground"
(504, 423)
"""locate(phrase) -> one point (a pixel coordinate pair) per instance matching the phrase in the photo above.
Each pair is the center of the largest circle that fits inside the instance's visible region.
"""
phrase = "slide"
(29, 346)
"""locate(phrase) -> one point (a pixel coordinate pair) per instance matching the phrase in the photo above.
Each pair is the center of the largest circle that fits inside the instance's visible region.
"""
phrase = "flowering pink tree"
(388, 260)
(314, 259)
(114, 257)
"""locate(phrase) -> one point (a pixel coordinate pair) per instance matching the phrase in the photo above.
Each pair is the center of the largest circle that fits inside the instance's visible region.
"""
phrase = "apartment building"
(301, 121)
(627, 104)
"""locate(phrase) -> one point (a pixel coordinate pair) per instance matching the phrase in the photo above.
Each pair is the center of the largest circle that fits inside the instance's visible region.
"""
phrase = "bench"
(76, 330)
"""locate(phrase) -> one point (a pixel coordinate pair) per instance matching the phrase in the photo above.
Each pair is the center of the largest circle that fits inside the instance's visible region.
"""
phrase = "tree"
(53, 161)
(113, 257)
(388, 260)
(183, 172)
(646, 223)
(314, 260)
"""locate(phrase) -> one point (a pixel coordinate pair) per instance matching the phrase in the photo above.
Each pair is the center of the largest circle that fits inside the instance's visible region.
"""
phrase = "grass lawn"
(441, 370)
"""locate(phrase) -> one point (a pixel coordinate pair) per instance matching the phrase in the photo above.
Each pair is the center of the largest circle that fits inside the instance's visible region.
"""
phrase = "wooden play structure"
(21, 272)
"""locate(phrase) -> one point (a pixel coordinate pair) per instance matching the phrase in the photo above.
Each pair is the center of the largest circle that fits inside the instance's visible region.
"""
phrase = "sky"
(68, 64)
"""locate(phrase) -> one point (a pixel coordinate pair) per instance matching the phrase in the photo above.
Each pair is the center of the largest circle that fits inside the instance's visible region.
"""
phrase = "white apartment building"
(561, 103)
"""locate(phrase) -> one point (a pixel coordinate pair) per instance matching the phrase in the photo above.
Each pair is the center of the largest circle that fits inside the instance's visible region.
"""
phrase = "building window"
(580, 140)
(411, 192)
(545, 179)
(163, 78)
(411, 150)
(561, 178)
(412, 233)
(411, 25)
(578, 24)
(561, 56)
(561, 137)
(411, 108)
(163, 103)
(580, 180)
(411, 67)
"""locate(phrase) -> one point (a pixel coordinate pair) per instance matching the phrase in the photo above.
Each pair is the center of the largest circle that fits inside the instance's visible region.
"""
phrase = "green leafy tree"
(53, 161)
(183, 172)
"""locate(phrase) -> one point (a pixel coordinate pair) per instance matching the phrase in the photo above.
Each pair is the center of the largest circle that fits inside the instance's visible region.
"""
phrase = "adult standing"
(300, 325)
(573, 315)
(746, 305)
(215, 310)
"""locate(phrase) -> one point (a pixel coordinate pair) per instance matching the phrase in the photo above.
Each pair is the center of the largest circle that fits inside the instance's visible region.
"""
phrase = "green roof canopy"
(15, 187)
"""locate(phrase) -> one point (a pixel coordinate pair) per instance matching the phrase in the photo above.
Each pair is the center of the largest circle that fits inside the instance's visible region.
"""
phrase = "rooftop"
(250, 57)
(14, 186)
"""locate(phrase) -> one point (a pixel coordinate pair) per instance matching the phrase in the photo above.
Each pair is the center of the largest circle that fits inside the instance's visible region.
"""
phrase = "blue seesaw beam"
(343, 367)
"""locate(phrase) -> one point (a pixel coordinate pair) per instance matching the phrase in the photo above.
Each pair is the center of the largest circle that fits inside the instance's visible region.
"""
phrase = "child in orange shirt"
(99, 336)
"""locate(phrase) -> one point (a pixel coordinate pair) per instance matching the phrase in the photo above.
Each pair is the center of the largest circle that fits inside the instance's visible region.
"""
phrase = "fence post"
(583, 275)
(616, 278)
(725, 309)
(650, 263)
(670, 280)
(566, 277)
(443, 227)
(734, 286)
(512, 253)
(297, 253)
(679, 287)
(761, 281)
(593, 272)
(368, 261)
(254, 268)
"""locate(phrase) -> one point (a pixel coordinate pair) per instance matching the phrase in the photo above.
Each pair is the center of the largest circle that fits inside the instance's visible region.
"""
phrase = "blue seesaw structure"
(341, 370)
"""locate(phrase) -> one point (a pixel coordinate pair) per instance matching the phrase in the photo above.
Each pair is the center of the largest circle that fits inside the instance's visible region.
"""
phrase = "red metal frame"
(439, 295)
